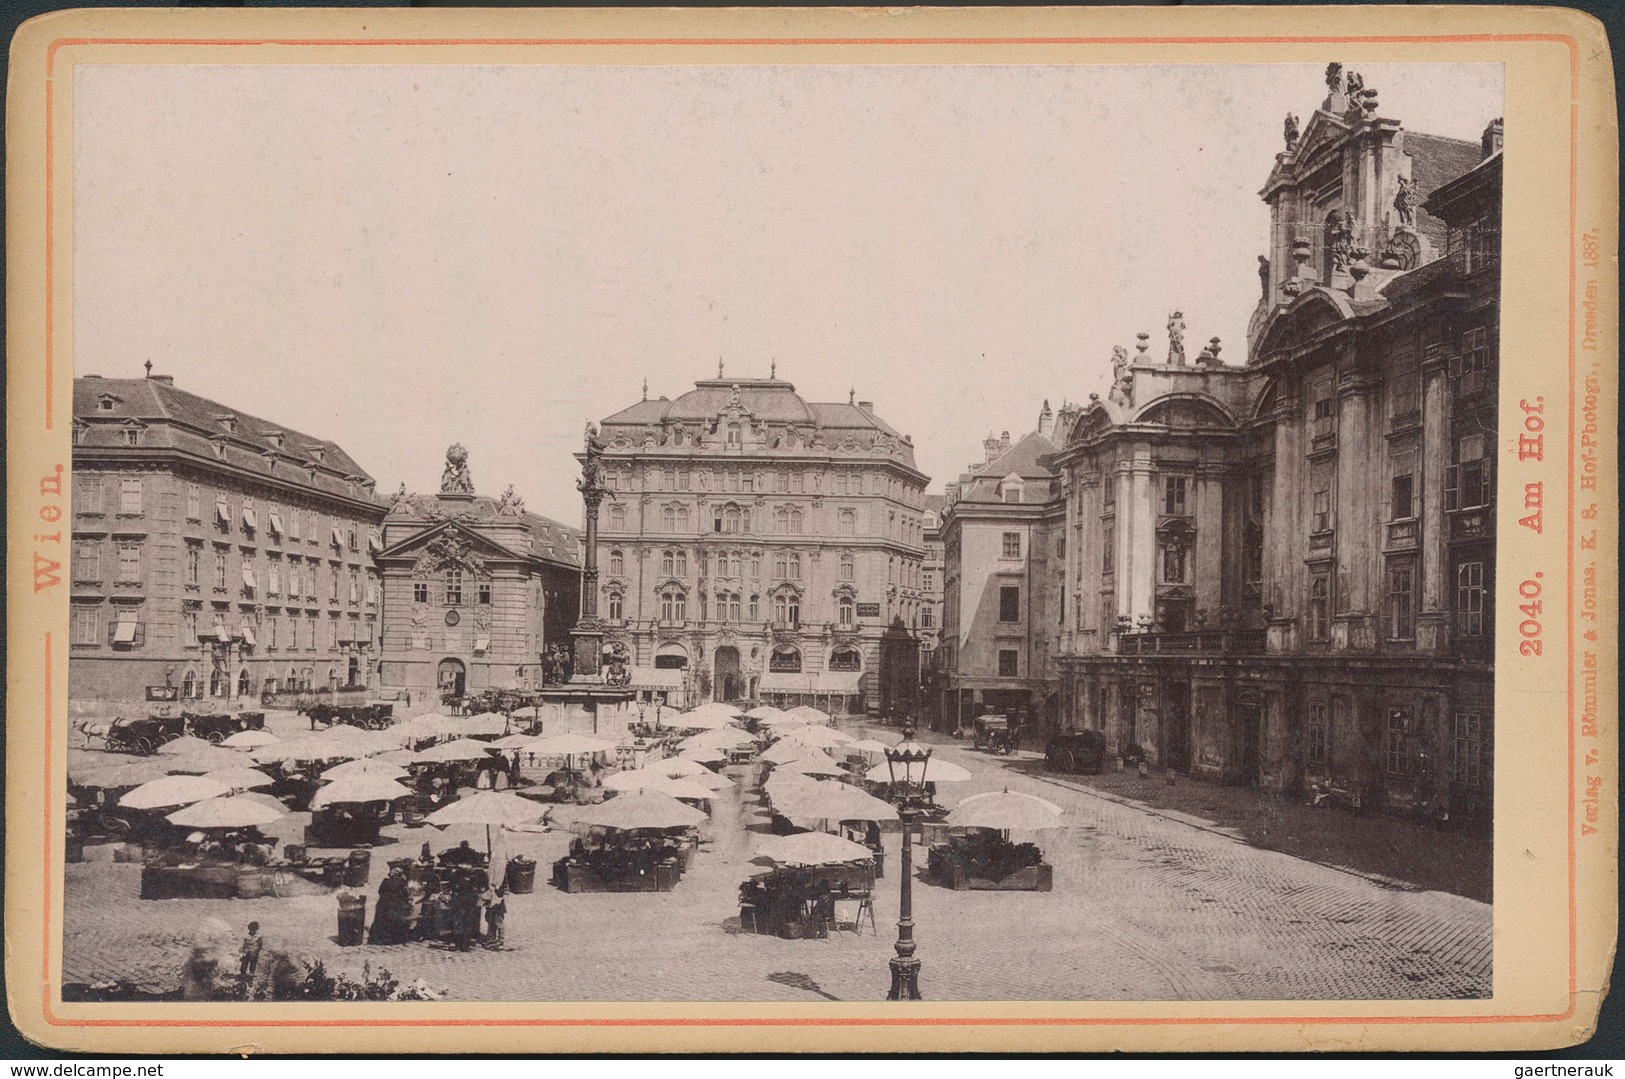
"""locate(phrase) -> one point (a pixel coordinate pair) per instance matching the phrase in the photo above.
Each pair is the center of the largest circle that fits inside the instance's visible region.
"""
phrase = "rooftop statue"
(455, 479)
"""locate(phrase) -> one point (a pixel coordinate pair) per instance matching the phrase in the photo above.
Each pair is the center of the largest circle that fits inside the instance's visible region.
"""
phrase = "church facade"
(1282, 573)
(753, 545)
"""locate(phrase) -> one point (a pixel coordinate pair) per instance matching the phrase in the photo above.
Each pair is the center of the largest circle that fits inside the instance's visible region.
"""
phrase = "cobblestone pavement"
(1149, 904)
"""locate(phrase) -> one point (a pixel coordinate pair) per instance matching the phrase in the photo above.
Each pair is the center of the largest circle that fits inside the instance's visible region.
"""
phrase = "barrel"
(252, 882)
(293, 852)
(352, 920)
(521, 875)
(358, 868)
(333, 872)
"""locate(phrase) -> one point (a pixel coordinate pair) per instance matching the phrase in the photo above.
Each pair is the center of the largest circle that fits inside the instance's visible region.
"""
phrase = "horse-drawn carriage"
(372, 717)
(145, 734)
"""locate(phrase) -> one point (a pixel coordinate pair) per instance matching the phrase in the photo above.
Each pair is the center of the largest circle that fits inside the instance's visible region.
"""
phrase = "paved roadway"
(1147, 906)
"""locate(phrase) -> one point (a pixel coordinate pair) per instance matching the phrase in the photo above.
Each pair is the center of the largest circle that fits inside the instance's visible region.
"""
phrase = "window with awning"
(275, 520)
(248, 635)
(222, 512)
(250, 522)
(338, 540)
(482, 644)
(374, 544)
(249, 579)
(346, 632)
(221, 633)
(124, 630)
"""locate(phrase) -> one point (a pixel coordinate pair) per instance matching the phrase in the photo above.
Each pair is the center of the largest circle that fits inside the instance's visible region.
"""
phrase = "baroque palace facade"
(1281, 573)
(755, 545)
(215, 554)
(477, 590)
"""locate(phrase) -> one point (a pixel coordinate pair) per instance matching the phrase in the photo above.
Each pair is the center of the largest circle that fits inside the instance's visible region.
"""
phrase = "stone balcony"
(1199, 642)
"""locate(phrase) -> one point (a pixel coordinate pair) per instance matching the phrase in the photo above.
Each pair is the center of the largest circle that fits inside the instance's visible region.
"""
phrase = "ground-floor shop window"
(1319, 736)
(1467, 749)
(1395, 760)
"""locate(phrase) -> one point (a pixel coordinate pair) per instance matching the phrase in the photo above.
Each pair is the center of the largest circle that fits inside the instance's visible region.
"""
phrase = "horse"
(89, 729)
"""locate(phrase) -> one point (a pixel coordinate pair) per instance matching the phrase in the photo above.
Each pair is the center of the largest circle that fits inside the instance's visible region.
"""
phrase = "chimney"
(1493, 136)
(990, 449)
(867, 406)
(1004, 441)
(167, 380)
(1046, 420)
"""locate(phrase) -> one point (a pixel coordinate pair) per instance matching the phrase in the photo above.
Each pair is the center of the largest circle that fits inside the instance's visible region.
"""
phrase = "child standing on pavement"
(249, 954)
(496, 914)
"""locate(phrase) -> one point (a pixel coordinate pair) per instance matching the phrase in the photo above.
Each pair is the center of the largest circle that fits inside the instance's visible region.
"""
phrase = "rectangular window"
(1403, 395)
(1010, 603)
(1322, 511)
(333, 584)
(1470, 599)
(189, 628)
(485, 592)
(1467, 482)
(1474, 360)
(129, 496)
(1009, 663)
(1395, 760)
(1108, 545)
(454, 586)
(86, 622)
(1324, 416)
(1401, 613)
(1173, 564)
(355, 585)
(129, 563)
(1320, 595)
(1173, 495)
(1012, 545)
(194, 502)
(1401, 506)
(928, 618)
(273, 579)
(1319, 736)
(87, 561)
(1467, 750)
(293, 523)
(87, 494)
(420, 591)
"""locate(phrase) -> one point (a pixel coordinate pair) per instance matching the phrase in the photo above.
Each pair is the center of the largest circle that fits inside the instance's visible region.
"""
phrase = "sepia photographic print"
(754, 528)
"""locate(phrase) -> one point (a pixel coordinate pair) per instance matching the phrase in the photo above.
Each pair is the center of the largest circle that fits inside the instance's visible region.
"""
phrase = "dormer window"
(228, 422)
(274, 438)
(107, 402)
(318, 453)
(1010, 488)
(132, 432)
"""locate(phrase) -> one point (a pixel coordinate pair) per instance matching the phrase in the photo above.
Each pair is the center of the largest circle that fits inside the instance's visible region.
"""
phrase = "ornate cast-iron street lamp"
(906, 762)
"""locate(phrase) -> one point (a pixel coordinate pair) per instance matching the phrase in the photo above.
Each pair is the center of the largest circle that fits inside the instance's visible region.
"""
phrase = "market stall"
(977, 852)
(818, 883)
(636, 843)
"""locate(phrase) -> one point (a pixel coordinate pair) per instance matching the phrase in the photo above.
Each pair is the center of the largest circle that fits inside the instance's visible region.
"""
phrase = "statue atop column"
(1290, 129)
(455, 479)
(1405, 202)
(592, 467)
(1122, 390)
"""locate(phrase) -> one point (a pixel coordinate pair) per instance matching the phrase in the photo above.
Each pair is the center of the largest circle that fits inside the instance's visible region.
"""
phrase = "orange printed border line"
(49, 996)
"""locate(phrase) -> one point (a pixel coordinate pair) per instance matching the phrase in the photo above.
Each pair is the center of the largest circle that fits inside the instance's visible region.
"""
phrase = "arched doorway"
(671, 657)
(354, 679)
(452, 677)
(728, 682)
(242, 682)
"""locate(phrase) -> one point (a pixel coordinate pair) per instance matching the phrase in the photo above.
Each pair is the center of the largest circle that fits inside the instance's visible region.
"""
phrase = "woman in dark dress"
(389, 921)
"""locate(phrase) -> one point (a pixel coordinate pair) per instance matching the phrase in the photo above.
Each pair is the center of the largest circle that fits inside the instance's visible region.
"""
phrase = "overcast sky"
(397, 258)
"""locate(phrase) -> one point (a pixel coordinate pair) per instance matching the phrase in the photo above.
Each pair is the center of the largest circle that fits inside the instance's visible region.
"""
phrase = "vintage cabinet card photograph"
(812, 530)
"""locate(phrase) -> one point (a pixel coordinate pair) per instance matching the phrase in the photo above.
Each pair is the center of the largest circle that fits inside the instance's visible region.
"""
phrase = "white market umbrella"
(209, 759)
(823, 737)
(711, 781)
(867, 747)
(308, 749)
(677, 767)
(783, 719)
(184, 745)
(641, 809)
(490, 808)
(510, 742)
(785, 752)
(698, 720)
(720, 738)
(486, 723)
(812, 848)
(935, 772)
(763, 711)
(240, 778)
(250, 739)
(569, 745)
(460, 749)
(172, 791)
(810, 714)
(228, 812)
(372, 767)
(1006, 811)
(702, 756)
(811, 767)
(358, 788)
(634, 779)
(114, 776)
(837, 801)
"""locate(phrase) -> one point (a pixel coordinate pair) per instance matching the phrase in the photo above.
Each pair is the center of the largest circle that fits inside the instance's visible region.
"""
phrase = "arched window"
(755, 609)
(781, 610)
(795, 566)
(617, 518)
(680, 605)
(744, 520)
(781, 521)
(848, 519)
(668, 563)
(785, 659)
(242, 683)
(682, 562)
(781, 565)
(844, 610)
(189, 685)
(755, 566)
(667, 607)
(734, 434)
(668, 518)
(795, 522)
(733, 563)
(616, 608)
(617, 563)
(733, 607)
(845, 659)
(795, 611)
(682, 518)
(848, 571)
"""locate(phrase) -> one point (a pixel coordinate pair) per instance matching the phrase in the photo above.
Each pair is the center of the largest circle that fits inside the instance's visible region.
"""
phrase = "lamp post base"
(905, 979)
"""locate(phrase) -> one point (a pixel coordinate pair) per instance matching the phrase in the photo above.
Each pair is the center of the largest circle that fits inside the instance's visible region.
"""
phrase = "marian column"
(588, 635)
